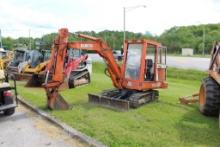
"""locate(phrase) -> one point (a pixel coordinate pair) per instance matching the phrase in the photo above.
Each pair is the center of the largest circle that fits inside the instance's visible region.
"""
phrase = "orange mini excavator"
(143, 70)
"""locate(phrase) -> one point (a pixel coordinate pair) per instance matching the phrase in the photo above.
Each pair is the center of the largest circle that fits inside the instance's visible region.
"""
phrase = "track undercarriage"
(124, 99)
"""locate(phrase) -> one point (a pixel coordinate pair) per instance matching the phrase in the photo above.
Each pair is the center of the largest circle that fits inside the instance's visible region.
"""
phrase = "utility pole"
(124, 24)
(29, 33)
(124, 16)
(203, 51)
(0, 38)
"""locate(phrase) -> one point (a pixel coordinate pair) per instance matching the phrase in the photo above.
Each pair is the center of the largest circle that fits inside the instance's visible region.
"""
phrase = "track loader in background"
(5, 58)
(27, 63)
(143, 70)
(34, 68)
(20, 56)
(77, 68)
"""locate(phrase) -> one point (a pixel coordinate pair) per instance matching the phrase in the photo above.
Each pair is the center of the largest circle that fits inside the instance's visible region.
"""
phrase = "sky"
(19, 17)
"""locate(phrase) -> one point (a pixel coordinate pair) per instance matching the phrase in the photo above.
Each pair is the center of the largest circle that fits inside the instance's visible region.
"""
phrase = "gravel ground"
(27, 129)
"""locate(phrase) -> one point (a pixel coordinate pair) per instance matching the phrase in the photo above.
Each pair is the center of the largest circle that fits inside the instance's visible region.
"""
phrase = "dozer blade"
(109, 102)
(56, 101)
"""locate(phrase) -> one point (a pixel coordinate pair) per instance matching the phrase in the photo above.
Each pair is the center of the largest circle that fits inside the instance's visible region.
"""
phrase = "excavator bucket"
(56, 101)
(118, 104)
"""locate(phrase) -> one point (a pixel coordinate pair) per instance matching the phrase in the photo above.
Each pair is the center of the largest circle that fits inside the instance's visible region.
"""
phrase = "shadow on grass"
(198, 130)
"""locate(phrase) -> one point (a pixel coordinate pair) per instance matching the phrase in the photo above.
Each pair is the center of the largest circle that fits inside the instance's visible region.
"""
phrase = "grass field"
(163, 123)
(195, 55)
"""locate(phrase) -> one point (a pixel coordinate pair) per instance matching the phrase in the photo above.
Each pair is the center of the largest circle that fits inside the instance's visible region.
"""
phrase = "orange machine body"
(140, 71)
(118, 73)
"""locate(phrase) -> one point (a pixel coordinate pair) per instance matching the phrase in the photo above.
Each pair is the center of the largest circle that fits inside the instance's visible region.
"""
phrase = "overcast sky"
(45, 16)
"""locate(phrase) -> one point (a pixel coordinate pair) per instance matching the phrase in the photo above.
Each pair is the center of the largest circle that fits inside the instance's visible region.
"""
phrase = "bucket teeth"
(56, 101)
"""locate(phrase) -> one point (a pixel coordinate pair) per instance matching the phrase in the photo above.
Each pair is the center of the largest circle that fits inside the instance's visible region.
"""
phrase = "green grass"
(195, 55)
(163, 123)
(189, 74)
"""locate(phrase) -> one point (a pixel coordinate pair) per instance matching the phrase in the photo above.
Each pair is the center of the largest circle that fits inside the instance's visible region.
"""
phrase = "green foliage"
(47, 40)
(177, 38)
(8, 43)
(189, 74)
(113, 38)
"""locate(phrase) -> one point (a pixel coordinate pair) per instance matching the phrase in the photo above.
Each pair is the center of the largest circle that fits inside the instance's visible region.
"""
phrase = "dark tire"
(72, 79)
(209, 97)
(9, 112)
(9, 100)
(71, 83)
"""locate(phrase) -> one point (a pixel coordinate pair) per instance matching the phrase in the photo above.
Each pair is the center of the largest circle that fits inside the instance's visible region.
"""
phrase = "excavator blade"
(56, 101)
(118, 104)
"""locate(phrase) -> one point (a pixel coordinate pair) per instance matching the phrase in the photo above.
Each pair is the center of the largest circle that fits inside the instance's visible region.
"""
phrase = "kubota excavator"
(143, 70)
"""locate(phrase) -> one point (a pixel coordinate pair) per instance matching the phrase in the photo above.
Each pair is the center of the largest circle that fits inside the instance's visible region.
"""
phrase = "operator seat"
(149, 70)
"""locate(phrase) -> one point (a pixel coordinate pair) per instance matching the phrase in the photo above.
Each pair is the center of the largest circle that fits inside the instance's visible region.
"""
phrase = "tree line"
(196, 37)
(175, 38)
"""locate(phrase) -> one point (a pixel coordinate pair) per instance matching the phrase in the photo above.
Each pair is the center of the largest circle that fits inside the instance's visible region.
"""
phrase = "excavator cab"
(143, 70)
(144, 65)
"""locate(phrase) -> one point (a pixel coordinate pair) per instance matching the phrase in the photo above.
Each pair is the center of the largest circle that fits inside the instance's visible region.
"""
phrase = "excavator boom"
(56, 68)
(105, 52)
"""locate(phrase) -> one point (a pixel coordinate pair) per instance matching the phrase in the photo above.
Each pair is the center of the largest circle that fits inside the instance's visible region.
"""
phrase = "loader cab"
(20, 55)
(144, 66)
(74, 53)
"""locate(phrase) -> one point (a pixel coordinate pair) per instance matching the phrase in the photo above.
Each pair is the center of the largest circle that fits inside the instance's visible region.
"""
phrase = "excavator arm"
(100, 47)
(55, 66)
